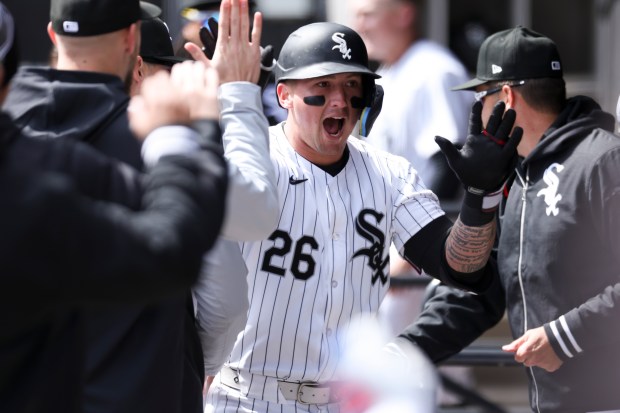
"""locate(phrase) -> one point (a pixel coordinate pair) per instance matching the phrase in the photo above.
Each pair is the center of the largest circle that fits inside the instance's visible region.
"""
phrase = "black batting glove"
(485, 162)
(370, 113)
(267, 64)
(208, 37)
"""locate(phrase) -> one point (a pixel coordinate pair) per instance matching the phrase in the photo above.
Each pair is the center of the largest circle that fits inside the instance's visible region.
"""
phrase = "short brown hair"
(544, 94)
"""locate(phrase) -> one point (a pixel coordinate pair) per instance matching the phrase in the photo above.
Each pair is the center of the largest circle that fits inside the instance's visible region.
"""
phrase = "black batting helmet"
(321, 49)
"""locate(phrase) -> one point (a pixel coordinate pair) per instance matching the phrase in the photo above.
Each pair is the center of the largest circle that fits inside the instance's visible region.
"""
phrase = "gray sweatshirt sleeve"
(252, 203)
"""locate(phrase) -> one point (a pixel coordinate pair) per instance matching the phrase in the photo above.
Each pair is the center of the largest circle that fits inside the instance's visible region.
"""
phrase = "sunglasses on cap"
(479, 96)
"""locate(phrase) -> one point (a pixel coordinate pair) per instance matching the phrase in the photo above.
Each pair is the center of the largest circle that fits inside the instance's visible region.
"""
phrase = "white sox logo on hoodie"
(551, 191)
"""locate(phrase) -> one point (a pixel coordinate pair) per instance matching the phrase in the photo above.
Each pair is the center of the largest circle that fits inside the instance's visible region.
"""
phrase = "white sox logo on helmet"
(341, 45)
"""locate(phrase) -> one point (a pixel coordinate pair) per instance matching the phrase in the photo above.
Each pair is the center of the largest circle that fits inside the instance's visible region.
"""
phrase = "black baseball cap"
(205, 4)
(92, 17)
(156, 45)
(515, 54)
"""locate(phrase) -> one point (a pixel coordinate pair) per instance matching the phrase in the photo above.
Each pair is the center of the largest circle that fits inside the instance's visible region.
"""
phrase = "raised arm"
(246, 139)
(483, 165)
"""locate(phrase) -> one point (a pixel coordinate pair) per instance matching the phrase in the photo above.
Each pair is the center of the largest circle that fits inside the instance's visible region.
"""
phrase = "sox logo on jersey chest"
(374, 235)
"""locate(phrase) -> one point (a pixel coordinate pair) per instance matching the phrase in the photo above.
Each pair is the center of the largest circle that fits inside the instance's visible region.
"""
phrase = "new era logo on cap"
(496, 69)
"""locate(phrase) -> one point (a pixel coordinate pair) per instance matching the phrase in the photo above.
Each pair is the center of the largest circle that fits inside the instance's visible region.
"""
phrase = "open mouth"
(333, 126)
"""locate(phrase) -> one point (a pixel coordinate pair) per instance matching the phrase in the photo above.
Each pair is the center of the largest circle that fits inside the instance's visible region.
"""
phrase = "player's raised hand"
(489, 155)
(197, 82)
(158, 104)
(187, 94)
(208, 37)
(235, 57)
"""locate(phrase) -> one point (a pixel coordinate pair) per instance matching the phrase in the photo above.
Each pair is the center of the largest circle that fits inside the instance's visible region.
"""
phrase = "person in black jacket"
(61, 249)
(85, 99)
(558, 235)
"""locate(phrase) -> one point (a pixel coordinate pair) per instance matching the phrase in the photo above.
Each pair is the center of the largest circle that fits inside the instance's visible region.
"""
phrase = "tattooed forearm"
(468, 248)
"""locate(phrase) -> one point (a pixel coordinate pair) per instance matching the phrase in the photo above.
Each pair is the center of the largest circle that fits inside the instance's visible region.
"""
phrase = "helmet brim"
(324, 69)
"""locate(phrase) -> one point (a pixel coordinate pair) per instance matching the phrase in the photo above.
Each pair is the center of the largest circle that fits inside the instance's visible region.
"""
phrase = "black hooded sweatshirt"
(559, 266)
(83, 106)
(134, 352)
(60, 250)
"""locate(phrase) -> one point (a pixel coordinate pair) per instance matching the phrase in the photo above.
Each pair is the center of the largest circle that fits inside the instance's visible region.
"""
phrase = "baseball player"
(342, 203)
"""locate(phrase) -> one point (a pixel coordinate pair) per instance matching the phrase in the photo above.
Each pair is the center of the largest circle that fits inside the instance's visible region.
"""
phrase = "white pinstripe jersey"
(328, 259)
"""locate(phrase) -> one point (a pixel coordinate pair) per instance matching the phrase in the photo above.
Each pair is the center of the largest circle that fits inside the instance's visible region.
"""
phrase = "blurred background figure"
(378, 377)
(417, 75)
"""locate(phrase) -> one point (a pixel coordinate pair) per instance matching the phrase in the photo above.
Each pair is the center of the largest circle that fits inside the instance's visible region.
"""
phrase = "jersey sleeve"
(415, 205)
(252, 179)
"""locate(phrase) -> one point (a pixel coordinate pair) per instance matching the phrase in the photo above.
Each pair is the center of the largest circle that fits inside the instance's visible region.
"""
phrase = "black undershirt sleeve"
(426, 250)
(443, 181)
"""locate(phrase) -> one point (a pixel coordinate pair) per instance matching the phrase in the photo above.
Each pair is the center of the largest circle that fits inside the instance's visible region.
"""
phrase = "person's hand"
(370, 113)
(198, 84)
(235, 58)
(157, 105)
(533, 349)
(208, 37)
(489, 155)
